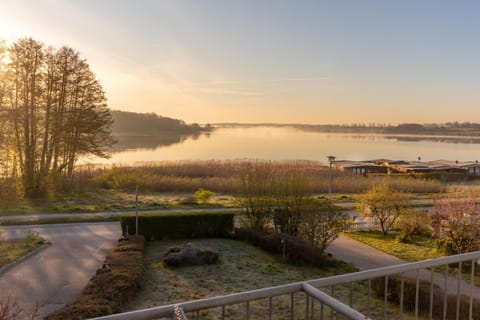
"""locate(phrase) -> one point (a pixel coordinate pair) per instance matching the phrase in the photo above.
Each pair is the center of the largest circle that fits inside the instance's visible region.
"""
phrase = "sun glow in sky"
(306, 61)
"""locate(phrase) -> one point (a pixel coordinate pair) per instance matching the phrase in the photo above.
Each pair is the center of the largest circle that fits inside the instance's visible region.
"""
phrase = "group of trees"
(453, 221)
(278, 201)
(52, 111)
(151, 124)
(281, 202)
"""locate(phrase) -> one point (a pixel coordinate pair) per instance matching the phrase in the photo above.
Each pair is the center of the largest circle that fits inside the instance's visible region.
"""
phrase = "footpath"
(365, 257)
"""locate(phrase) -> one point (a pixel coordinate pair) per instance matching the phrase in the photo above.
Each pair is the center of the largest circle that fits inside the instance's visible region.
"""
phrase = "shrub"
(414, 222)
(457, 219)
(321, 222)
(180, 225)
(444, 245)
(203, 195)
(297, 251)
(109, 289)
(8, 192)
(10, 310)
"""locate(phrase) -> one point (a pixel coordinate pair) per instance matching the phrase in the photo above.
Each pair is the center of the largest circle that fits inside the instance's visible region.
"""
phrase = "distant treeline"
(449, 128)
(151, 124)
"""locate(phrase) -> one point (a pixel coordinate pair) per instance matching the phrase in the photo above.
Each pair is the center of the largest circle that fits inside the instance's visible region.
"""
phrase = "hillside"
(151, 124)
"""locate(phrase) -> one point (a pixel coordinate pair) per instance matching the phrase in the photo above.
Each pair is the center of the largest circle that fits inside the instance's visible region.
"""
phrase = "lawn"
(14, 249)
(242, 267)
(418, 248)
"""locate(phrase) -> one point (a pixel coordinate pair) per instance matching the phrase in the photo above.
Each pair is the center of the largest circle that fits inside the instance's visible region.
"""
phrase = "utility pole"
(136, 210)
(330, 175)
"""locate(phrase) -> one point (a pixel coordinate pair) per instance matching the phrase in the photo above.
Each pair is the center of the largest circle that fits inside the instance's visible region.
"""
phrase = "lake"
(286, 143)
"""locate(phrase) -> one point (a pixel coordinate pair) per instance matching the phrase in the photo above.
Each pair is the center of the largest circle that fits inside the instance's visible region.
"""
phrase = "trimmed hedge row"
(409, 294)
(109, 289)
(297, 251)
(159, 226)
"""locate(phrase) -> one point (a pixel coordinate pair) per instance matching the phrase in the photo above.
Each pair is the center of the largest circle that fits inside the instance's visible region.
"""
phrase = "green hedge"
(179, 225)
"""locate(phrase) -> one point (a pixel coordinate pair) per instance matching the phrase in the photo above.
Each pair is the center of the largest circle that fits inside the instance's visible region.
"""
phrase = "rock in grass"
(189, 255)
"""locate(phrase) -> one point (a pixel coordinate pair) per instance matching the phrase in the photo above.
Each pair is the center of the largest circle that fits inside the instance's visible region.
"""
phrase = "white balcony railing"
(319, 299)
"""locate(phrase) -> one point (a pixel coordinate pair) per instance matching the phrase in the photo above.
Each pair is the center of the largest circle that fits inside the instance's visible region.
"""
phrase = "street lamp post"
(330, 176)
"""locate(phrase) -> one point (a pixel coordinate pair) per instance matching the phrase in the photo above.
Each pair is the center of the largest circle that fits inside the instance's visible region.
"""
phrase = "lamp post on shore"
(330, 176)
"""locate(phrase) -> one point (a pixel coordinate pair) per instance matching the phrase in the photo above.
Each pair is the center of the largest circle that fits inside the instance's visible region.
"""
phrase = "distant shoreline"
(436, 131)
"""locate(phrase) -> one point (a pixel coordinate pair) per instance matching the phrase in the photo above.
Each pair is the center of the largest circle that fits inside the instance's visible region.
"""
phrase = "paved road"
(57, 275)
(28, 217)
(366, 257)
(34, 218)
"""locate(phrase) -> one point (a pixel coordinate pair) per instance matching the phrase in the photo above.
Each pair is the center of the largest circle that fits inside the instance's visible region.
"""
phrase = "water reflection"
(285, 143)
(151, 142)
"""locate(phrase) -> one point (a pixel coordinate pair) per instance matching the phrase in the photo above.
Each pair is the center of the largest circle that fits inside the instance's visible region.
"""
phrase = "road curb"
(12, 264)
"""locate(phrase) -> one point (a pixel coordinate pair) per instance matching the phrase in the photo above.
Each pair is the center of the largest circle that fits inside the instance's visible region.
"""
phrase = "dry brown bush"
(109, 288)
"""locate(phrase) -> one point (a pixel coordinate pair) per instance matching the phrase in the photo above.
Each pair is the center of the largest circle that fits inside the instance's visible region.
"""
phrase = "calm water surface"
(282, 143)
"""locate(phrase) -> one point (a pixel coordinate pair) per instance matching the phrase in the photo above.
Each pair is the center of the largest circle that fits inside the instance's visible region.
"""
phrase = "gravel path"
(56, 276)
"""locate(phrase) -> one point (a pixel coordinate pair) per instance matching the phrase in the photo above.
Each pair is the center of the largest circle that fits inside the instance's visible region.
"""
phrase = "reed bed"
(225, 176)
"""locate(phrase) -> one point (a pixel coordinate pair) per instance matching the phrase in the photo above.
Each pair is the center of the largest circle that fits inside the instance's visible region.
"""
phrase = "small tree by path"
(383, 204)
(321, 222)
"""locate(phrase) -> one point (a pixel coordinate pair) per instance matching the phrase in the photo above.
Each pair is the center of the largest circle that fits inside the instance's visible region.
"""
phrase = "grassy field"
(14, 249)
(45, 219)
(110, 201)
(118, 201)
(241, 267)
(419, 248)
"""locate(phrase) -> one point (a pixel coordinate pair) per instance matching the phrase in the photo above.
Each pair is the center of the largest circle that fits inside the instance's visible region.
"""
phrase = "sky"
(210, 61)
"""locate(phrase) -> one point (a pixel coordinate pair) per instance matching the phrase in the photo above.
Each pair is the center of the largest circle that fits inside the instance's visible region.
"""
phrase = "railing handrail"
(333, 303)
(207, 303)
(240, 297)
(394, 269)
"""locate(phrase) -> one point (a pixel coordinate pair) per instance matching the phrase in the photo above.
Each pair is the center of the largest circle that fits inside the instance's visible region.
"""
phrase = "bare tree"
(55, 111)
(321, 222)
(456, 219)
(25, 89)
(255, 196)
(289, 194)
